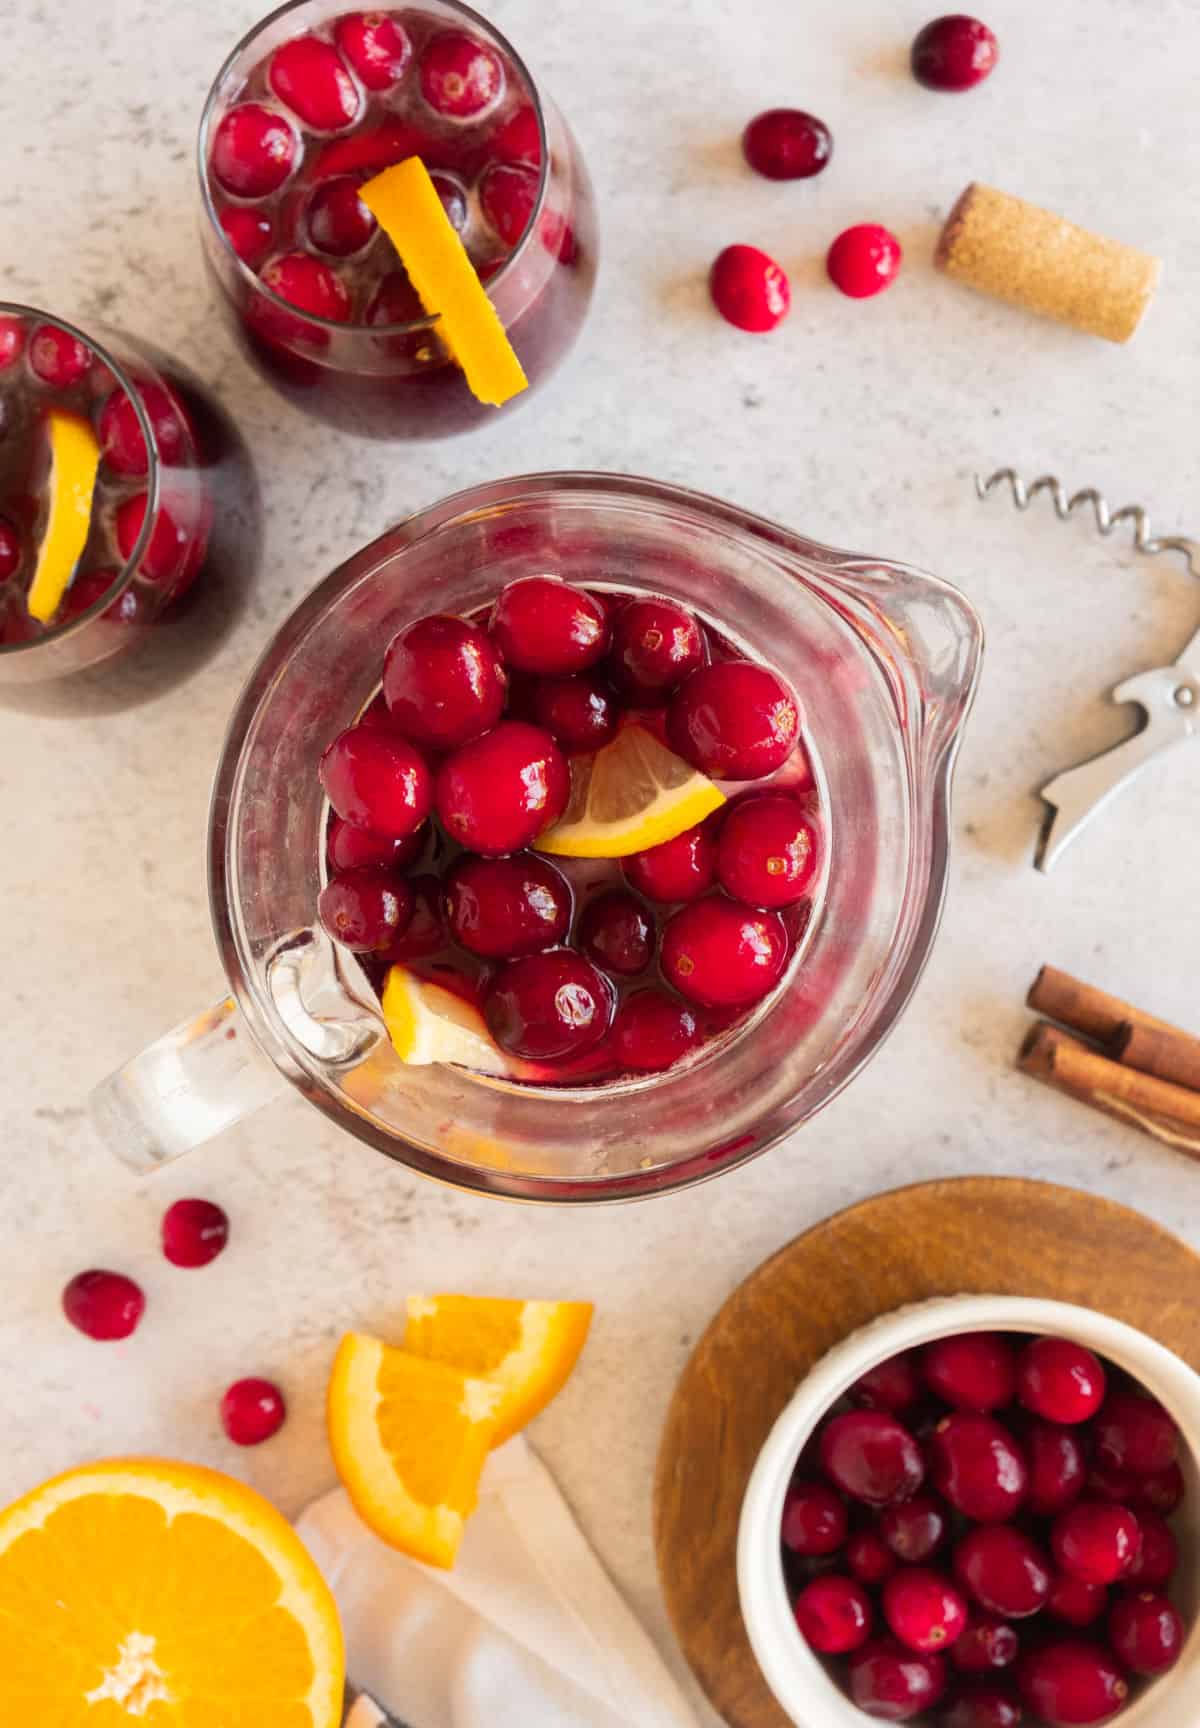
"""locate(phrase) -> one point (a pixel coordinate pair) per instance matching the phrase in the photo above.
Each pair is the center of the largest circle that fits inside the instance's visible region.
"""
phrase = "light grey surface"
(860, 424)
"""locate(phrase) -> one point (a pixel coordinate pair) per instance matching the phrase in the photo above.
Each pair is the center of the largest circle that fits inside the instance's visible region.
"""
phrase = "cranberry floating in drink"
(314, 105)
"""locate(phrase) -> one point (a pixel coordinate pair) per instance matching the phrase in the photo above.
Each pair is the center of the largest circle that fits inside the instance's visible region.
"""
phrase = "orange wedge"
(74, 460)
(409, 1438)
(528, 1349)
(405, 203)
(143, 1592)
(632, 794)
(427, 1023)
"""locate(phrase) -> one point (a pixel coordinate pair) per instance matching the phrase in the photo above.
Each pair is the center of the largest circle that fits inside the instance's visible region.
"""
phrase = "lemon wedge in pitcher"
(632, 794)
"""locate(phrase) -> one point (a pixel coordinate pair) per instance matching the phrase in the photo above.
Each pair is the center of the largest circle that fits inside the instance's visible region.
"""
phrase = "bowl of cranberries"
(981, 1512)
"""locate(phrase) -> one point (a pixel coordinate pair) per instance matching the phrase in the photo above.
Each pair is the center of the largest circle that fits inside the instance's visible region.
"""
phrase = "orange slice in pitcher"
(74, 461)
(427, 1023)
(405, 203)
(632, 794)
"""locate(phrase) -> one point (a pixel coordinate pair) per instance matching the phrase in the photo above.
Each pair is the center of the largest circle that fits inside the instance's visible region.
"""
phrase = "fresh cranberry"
(976, 1465)
(194, 1232)
(1146, 1633)
(310, 76)
(548, 1005)
(891, 1385)
(121, 434)
(249, 232)
(460, 77)
(304, 282)
(497, 793)
(1003, 1571)
(987, 1645)
(1060, 1380)
(1105, 1483)
(500, 908)
(749, 289)
(616, 932)
(656, 644)
(1161, 1491)
(972, 1371)
(254, 151)
(1096, 1542)
(548, 627)
(86, 589)
(339, 223)
(871, 1457)
(869, 1558)
(814, 1519)
(579, 712)
(1056, 1468)
(923, 1610)
(377, 781)
(10, 549)
(426, 934)
(735, 720)
(767, 853)
(12, 340)
(507, 195)
(519, 139)
(653, 1031)
(377, 47)
(721, 955)
(953, 53)
(914, 1529)
(1158, 1556)
(787, 144)
(56, 357)
(863, 260)
(894, 1684)
(443, 682)
(1071, 1683)
(351, 848)
(104, 1305)
(395, 301)
(984, 1707)
(168, 541)
(1134, 1432)
(365, 910)
(251, 1411)
(834, 1614)
(677, 870)
(1077, 1603)
(453, 199)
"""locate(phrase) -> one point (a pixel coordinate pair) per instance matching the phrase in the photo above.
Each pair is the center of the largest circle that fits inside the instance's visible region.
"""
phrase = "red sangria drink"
(126, 499)
(317, 101)
(576, 837)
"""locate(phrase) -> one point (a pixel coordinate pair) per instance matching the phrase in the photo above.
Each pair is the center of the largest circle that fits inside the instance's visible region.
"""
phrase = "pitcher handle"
(189, 1085)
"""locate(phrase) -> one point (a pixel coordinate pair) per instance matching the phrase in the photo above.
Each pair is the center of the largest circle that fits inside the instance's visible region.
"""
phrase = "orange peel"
(74, 462)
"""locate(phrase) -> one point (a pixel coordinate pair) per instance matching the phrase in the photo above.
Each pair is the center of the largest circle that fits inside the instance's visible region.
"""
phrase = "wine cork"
(1003, 246)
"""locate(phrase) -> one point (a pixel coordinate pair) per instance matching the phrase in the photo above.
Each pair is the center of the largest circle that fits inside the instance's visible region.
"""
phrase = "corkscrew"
(1169, 696)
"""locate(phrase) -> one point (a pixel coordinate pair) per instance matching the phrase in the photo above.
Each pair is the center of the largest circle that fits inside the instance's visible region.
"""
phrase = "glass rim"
(71, 626)
(254, 282)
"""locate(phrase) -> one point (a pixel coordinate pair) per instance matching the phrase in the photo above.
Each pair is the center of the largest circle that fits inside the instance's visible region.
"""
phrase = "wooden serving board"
(975, 1235)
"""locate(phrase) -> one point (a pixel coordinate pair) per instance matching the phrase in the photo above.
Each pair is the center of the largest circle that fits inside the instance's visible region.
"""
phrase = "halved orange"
(74, 461)
(526, 1348)
(144, 1592)
(632, 794)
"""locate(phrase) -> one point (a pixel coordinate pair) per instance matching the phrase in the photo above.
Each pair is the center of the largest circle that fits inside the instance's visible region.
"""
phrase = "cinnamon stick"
(1170, 1113)
(1058, 996)
(1159, 1050)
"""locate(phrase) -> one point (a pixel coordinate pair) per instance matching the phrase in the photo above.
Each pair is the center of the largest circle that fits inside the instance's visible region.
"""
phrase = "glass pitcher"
(885, 659)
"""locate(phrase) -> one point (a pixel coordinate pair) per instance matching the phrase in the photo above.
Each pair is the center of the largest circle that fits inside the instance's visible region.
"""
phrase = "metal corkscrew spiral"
(1106, 519)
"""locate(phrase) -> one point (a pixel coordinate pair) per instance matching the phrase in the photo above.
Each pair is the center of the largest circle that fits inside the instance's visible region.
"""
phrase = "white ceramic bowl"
(795, 1675)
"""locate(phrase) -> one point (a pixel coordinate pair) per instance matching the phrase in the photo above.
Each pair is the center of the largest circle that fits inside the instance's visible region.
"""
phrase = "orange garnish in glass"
(74, 460)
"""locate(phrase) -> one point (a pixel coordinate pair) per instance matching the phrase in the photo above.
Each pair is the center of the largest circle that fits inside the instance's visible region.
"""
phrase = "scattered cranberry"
(339, 223)
(1158, 1557)
(365, 910)
(1056, 1468)
(57, 357)
(104, 1305)
(892, 1385)
(953, 53)
(767, 852)
(923, 1610)
(1095, 1541)
(721, 955)
(304, 282)
(1077, 1603)
(869, 1558)
(616, 932)
(460, 77)
(501, 908)
(453, 199)
(443, 682)
(194, 1232)
(499, 792)
(254, 151)
(249, 232)
(1060, 1380)
(10, 549)
(1071, 1683)
(653, 1031)
(309, 75)
(378, 781)
(749, 289)
(987, 1645)
(548, 627)
(975, 1464)
(519, 139)
(167, 544)
(1134, 1432)
(871, 1457)
(507, 195)
(351, 848)
(376, 46)
(656, 643)
(12, 340)
(579, 712)
(251, 1411)
(1146, 1633)
(864, 260)
(984, 1707)
(736, 720)
(893, 1683)
(834, 1614)
(548, 1005)
(678, 870)
(914, 1529)
(787, 144)
(971, 1371)
(814, 1519)
(1003, 1571)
